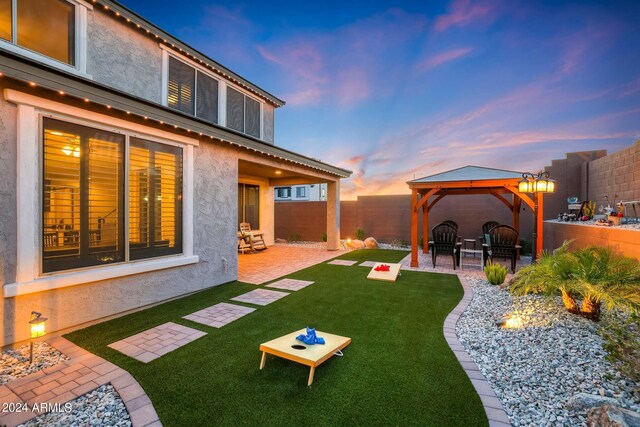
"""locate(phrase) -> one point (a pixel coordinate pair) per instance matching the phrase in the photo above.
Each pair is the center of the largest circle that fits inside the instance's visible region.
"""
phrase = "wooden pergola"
(498, 183)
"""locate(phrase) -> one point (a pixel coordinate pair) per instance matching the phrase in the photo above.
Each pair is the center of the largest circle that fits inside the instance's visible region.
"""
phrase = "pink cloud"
(341, 64)
(441, 58)
(463, 13)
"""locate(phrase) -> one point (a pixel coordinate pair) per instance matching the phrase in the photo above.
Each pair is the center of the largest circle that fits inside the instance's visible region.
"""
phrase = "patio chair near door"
(254, 238)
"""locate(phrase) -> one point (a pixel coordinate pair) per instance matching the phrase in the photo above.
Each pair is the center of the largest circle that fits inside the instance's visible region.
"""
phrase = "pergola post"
(425, 228)
(414, 227)
(517, 205)
(333, 215)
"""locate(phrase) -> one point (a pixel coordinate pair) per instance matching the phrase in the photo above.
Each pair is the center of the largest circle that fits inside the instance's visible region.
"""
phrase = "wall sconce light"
(38, 329)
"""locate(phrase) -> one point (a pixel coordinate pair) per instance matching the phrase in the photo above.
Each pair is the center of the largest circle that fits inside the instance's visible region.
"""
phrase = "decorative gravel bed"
(14, 363)
(100, 407)
(540, 369)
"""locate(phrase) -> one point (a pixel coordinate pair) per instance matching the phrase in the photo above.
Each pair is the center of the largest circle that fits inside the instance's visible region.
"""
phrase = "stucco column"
(333, 215)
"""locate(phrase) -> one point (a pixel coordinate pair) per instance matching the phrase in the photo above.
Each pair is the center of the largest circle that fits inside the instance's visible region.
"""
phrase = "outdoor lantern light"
(37, 324)
(539, 183)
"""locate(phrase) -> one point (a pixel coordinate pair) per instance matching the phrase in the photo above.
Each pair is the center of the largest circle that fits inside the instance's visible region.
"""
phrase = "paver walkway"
(260, 297)
(290, 284)
(342, 262)
(279, 260)
(82, 373)
(219, 315)
(155, 342)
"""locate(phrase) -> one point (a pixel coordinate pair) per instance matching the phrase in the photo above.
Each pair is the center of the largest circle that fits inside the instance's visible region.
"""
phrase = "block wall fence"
(588, 175)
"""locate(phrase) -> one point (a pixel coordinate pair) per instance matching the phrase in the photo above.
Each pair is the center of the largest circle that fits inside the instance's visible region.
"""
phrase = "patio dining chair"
(445, 242)
(502, 243)
(254, 238)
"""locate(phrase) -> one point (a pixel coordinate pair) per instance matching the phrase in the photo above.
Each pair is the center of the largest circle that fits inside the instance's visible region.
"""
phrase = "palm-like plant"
(606, 278)
(598, 275)
(550, 275)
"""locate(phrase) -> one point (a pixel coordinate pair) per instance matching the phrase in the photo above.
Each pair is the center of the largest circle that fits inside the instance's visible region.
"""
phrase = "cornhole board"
(387, 276)
(289, 348)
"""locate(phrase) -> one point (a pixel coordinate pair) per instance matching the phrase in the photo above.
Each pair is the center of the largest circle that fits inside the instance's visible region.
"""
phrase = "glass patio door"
(249, 205)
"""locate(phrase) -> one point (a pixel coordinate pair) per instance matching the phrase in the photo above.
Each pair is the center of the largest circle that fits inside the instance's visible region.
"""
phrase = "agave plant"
(550, 275)
(604, 277)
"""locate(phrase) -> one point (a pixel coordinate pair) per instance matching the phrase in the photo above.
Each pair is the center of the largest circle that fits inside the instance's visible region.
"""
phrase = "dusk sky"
(397, 90)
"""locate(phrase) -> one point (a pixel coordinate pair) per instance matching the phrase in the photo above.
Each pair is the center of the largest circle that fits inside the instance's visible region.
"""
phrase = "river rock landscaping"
(100, 407)
(14, 363)
(548, 370)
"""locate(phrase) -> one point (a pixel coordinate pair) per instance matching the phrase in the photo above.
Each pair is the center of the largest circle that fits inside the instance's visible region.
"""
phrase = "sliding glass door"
(249, 205)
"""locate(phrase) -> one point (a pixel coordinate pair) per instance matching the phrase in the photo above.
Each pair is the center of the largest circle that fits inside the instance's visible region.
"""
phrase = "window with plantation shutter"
(181, 86)
(83, 203)
(207, 98)
(155, 199)
(252, 117)
(235, 109)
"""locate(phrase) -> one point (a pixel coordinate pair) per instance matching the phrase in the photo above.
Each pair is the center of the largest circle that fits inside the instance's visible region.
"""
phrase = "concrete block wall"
(617, 173)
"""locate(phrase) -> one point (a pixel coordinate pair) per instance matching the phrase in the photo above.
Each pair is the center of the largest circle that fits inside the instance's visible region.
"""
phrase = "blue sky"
(393, 90)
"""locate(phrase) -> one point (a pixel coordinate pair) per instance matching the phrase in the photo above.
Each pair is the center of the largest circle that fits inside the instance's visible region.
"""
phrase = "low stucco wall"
(624, 240)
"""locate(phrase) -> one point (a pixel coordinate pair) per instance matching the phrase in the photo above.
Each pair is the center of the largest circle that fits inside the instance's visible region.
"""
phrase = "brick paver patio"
(444, 264)
(260, 297)
(68, 380)
(342, 262)
(155, 342)
(219, 315)
(290, 284)
(279, 260)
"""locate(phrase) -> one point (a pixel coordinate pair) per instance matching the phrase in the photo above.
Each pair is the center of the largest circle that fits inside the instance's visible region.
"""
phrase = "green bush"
(621, 342)
(526, 247)
(495, 273)
(324, 237)
(360, 234)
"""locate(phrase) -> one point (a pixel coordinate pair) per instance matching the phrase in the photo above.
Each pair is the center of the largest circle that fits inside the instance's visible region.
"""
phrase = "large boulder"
(612, 416)
(582, 401)
(355, 244)
(371, 243)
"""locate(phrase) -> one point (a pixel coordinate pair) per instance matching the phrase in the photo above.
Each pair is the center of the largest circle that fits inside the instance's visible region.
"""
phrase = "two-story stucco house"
(127, 160)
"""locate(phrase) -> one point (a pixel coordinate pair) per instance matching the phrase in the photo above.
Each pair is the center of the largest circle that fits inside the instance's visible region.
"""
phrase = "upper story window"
(50, 31)
(191, 91)
(243, 113)
(283, 192)
(301, 192)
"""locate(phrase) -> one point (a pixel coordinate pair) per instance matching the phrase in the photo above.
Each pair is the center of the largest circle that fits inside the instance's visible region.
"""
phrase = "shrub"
(360, 234)
(621, 342)
(597, 275)
(526, 247)
(324, 237)
(495, 273)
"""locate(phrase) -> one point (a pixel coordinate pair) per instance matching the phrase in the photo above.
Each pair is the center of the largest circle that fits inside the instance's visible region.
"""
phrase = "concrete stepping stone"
(342, 262)
(368, 264)
(290, 284)
(155, 342)
(260, 297)
(219, 315)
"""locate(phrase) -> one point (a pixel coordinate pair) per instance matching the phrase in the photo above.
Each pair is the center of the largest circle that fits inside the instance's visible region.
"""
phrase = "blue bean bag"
(310, 338)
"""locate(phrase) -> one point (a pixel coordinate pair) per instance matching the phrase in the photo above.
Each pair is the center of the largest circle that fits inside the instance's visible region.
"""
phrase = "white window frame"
(29, 278)
(165, 82)
(80, 67)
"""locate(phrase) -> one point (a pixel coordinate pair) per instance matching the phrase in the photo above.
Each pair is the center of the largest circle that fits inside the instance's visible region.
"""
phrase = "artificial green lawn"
(398, 370)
